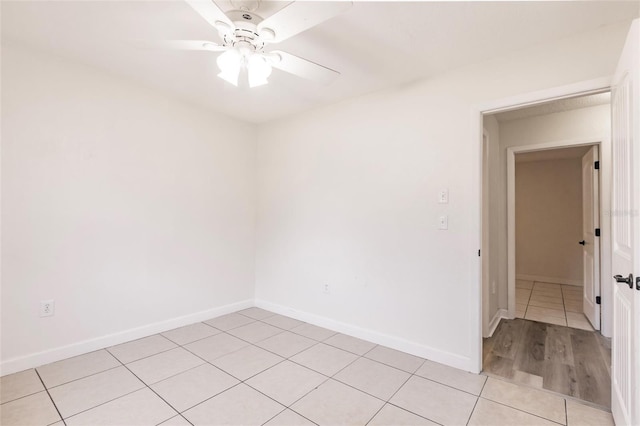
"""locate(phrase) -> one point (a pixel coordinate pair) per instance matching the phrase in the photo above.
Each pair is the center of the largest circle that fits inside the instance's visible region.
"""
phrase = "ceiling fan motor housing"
(246, 31)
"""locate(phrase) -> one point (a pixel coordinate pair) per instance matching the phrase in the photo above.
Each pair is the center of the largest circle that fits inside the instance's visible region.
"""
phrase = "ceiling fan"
(245, 36)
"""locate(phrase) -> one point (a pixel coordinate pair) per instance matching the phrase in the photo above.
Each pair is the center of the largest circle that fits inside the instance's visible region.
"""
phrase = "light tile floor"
(254, 367)
(551, 303)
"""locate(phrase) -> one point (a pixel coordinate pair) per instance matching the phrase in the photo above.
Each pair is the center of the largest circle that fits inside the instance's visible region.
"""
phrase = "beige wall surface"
(549, 219)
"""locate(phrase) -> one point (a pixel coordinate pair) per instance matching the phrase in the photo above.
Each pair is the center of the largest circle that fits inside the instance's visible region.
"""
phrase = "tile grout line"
(394, 393)
(70, 381)
(268, 420)
(51, 399)
(149, 387)
(106, 402)
(23, 396)
(144, 357)
(526, 309)
(475, 404)
(406, 409)
(477, 399)
(327, 378)
(414, 413)
(156, 393)
(123, 395)
(192, 341)
(240, 381)
(564, 306)
(260, 372)
(244, 382)
(522, 411)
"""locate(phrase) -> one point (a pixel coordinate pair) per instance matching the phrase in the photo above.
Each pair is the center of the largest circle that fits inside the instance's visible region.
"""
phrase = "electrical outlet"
(443, 223)
(493, 287)
(47, 308)
(326, 289)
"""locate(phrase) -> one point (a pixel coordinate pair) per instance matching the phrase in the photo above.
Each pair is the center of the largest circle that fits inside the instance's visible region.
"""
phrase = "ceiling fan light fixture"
(258, 70)
(230, 63)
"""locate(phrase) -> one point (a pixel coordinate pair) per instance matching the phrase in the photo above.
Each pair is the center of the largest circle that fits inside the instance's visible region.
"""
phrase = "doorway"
(556, 248)
(537, 333)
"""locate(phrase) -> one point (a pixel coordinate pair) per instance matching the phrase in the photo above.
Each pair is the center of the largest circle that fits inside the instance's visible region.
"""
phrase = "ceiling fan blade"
(210, 12)
(301, 15)
(302, 67)
(190, 45)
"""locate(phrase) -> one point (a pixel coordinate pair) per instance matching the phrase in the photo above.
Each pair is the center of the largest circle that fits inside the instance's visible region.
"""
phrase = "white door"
(625, 220)
(590, 243)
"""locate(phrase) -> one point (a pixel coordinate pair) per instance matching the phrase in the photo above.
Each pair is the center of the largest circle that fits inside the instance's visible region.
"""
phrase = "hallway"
(551, 303)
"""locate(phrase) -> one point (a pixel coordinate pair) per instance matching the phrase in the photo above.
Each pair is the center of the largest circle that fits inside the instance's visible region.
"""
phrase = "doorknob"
(582, 243)
(627, 280)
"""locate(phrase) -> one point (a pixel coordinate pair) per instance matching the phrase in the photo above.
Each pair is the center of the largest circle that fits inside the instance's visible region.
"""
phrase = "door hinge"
(598, 300)
(597, 232)
(596, 165)
(478, 253)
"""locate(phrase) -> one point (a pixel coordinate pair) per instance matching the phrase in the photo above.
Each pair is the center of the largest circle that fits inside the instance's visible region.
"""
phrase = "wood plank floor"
(562, 359)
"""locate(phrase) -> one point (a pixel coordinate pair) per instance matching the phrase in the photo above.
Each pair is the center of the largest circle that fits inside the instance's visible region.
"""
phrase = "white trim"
(505, 104)
(486, 235)
(390, 341)
(606, 289)
(500, 314)
(553, 280)
(597, 85)
(45, 357)
(511, 233)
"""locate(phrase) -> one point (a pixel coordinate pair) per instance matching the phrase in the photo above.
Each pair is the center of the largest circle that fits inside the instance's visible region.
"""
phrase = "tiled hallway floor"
(551, 303)
(254, 367)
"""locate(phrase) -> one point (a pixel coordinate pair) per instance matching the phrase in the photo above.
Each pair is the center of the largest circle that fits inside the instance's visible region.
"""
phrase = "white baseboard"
(552, 280)
(45, 357)
(493, 324)
(417, 349)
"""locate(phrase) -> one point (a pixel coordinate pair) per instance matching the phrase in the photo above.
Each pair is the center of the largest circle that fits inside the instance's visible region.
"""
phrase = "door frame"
(604, 147)
(582, 88)
(484, 249)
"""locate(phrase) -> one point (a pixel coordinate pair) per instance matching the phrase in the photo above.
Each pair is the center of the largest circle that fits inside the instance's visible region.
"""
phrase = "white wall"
(549, 220)
(130, 209)
(347, 196)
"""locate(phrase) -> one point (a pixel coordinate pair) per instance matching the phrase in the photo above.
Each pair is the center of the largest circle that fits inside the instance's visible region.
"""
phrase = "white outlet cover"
(47, 308)
(443, 223)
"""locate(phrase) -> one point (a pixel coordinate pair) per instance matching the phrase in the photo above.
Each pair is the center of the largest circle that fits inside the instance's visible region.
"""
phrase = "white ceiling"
(375, 45)
(552, 154)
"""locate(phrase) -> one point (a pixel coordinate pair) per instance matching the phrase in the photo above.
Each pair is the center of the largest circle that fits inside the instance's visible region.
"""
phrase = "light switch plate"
(443, 196)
